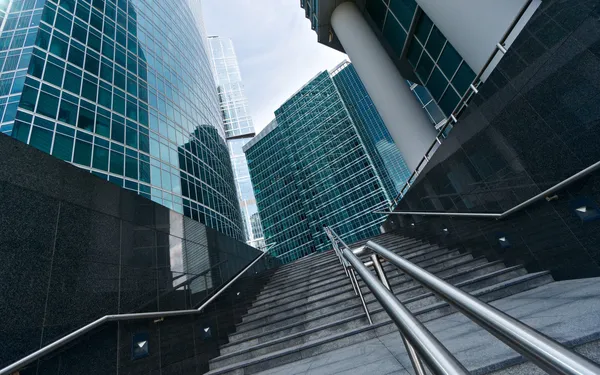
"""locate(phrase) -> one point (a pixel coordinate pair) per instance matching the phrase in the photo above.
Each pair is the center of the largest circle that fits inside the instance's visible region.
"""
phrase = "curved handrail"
(117, 317)
(520, 206)
(545, 352)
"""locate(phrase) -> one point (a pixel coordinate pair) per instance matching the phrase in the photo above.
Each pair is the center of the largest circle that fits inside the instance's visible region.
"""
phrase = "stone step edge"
(295, 324)
(324, 340)
(265, 324)
(272, 289)
(408, 300)
(351, 297)
(268, 300)
(349, 287)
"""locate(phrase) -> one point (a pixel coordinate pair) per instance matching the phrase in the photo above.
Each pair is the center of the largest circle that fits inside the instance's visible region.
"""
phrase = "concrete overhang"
(324, 9)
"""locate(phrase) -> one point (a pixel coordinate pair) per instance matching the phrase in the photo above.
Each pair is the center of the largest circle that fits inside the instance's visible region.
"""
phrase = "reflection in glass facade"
(384, 153)
(319, 164)
(125, 90)
(239, 129)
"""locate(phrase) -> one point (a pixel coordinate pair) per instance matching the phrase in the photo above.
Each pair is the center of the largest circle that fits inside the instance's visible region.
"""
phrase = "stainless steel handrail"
(548, 354)
(438, 358)
(348, 269)
(453, 118)
(520, 206)
(10, 369)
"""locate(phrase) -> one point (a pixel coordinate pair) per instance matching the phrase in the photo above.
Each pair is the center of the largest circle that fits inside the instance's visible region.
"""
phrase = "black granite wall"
(535, 122)
(74, 248)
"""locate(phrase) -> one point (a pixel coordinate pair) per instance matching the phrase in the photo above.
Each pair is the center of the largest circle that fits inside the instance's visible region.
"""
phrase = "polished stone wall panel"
(535, 122)
(85, 248)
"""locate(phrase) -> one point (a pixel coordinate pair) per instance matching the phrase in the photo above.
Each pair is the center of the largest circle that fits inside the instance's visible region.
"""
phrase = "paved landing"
(568, 311)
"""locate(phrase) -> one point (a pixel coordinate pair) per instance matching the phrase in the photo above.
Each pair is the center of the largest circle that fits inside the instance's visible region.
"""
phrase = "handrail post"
(548, 354)
(412, 353)
(439, 360)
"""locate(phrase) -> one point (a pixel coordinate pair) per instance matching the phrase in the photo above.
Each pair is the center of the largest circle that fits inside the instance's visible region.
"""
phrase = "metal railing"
(541, 350)
(417, 339)
(335, 241)
(462, 104)
(10, 369)
(544, 194)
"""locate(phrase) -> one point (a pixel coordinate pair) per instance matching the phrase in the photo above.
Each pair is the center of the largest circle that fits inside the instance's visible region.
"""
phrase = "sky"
(276, 48)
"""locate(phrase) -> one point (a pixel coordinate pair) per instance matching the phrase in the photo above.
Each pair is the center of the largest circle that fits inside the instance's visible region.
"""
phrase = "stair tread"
(316, 342)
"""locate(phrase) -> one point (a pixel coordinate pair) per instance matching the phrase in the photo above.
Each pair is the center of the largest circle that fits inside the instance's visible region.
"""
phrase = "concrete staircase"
(308, 308)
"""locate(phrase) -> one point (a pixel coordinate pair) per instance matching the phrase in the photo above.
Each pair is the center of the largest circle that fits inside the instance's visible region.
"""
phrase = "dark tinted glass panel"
(83, 153)
(395, 35)
(463, 78)
(425, 67)
(449, 101)
(63, 147)
(437, 84)
(41, 139)
(435, 43)
(449, 60)
(404, 11)
(423, 28)
(377, 9)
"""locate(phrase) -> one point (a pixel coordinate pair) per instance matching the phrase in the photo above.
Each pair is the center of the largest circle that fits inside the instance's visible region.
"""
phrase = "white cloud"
(276, 48)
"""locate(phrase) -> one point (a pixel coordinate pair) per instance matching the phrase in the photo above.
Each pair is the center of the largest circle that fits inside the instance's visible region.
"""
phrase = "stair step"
(302, 294)
(268, 314)
(253, 364)
(317, 317)
(477, 282)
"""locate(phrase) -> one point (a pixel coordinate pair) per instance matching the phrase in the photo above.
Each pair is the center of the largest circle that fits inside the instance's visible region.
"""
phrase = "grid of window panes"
(234, 104)
(384, 153)
(438, 65)
(20, 20)
(125, 89)
(430, 106)
(244, 189)
(313, 171)
(282, 215)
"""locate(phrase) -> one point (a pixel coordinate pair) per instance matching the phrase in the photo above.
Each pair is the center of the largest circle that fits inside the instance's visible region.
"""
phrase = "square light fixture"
(585, 208)
(140, 345)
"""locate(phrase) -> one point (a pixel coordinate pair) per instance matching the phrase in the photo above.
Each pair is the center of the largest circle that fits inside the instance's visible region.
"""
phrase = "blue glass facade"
(384, 153)
(321, 163)
(125, 90)
(239, 129)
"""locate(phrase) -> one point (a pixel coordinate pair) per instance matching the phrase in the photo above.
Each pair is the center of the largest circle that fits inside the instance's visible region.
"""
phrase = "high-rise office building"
(239, 129)
(327, 159)
(104, 86)
(442, 47)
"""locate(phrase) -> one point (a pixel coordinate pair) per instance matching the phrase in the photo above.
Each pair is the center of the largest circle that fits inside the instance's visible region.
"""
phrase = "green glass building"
(326, 160)
(123, 89)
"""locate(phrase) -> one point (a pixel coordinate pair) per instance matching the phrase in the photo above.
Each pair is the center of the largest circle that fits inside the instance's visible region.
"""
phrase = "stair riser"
(306, 353)
(323, 308)
(327, 305)
(308, 322)
(336, 329)
(380, 316)
(311, 269)
(275, 289)
(290, 292)
(326, 266)
(300, 294)
(305, 304)
(306, 259)
(443, 273)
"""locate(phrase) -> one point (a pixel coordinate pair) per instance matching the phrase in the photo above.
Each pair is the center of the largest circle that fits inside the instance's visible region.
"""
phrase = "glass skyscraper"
(124, 89)
(239, 129)
(326, 160)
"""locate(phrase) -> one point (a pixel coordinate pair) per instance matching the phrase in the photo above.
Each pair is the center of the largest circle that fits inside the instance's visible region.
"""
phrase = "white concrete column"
(406, 121)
